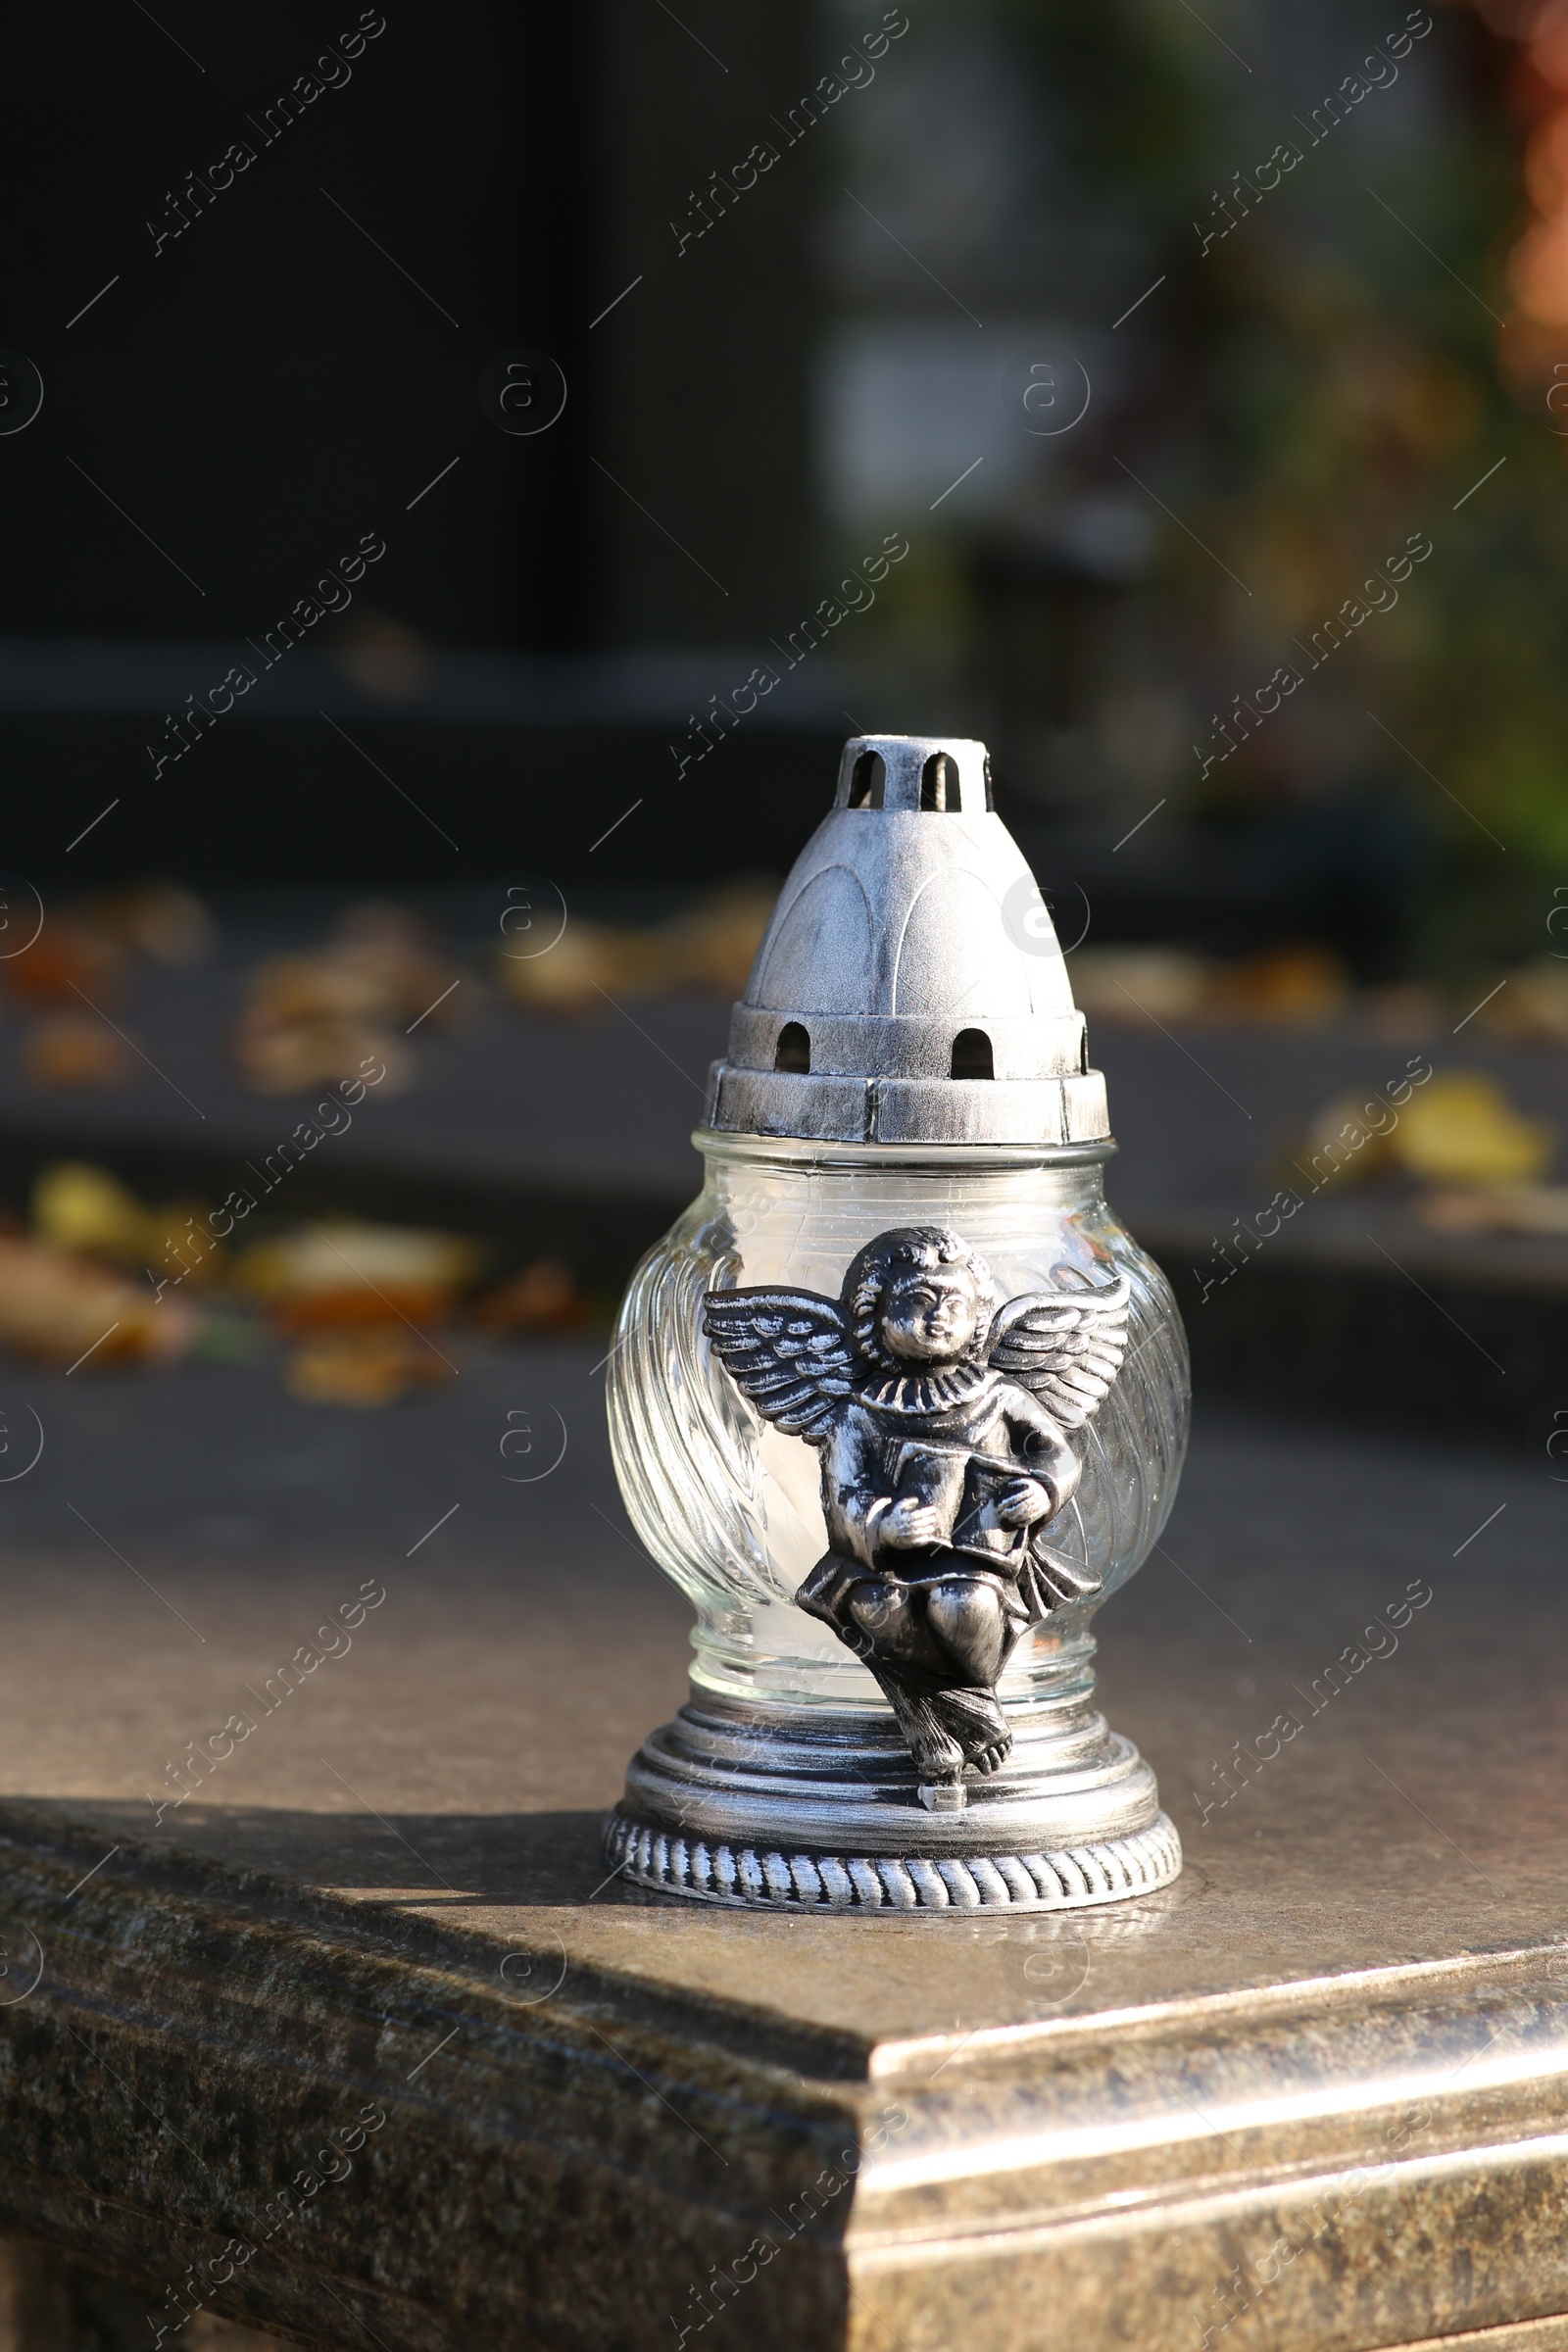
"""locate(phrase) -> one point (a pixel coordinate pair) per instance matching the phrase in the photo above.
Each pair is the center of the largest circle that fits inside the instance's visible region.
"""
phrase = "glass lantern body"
(730, 1507)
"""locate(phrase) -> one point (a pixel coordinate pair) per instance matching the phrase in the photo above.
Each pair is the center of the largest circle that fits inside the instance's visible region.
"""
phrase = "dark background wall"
(277, 378)
(269, 386)
(1022, 180)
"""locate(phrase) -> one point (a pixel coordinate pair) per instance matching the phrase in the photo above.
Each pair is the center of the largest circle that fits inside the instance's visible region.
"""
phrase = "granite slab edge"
(583, 2170)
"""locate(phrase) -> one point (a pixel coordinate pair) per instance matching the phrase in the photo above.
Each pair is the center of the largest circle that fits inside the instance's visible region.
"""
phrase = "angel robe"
(864, 1469)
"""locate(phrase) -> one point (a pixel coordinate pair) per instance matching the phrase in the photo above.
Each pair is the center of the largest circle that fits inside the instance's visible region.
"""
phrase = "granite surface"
(1336, 2051)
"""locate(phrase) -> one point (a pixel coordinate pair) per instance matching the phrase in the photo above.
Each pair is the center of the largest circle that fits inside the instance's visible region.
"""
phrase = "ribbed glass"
(730, 1507)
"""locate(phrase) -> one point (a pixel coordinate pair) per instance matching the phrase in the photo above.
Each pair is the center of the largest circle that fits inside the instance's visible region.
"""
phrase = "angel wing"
(788, 1351)
(1065, 1344)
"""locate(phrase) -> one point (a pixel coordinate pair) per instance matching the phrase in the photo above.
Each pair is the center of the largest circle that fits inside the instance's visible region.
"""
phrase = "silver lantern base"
(807, 1809)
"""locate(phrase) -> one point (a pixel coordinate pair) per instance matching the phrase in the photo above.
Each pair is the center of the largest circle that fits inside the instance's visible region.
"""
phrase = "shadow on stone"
(550, 1858)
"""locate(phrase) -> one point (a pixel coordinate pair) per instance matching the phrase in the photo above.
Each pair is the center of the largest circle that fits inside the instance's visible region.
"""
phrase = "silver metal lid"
(910, 988)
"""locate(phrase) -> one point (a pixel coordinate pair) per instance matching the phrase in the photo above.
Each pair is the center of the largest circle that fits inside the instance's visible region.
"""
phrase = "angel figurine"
(942, 1421)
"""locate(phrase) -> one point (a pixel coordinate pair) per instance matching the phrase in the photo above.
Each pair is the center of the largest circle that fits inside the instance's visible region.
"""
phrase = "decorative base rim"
(1110, 1870)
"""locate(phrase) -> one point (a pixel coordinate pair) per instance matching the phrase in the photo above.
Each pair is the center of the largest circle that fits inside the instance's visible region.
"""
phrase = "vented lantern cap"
(910, 988)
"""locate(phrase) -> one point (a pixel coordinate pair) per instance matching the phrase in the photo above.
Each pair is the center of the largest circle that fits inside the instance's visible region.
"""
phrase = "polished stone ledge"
(361, 2043)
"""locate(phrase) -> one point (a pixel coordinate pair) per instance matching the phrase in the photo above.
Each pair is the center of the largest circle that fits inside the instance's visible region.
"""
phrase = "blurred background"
(465, 472)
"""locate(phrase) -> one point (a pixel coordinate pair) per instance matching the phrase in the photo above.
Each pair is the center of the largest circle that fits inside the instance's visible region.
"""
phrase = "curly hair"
(907, 1248)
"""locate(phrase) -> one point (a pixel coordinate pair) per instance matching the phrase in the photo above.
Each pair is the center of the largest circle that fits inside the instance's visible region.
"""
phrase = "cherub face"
(930, 1316)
